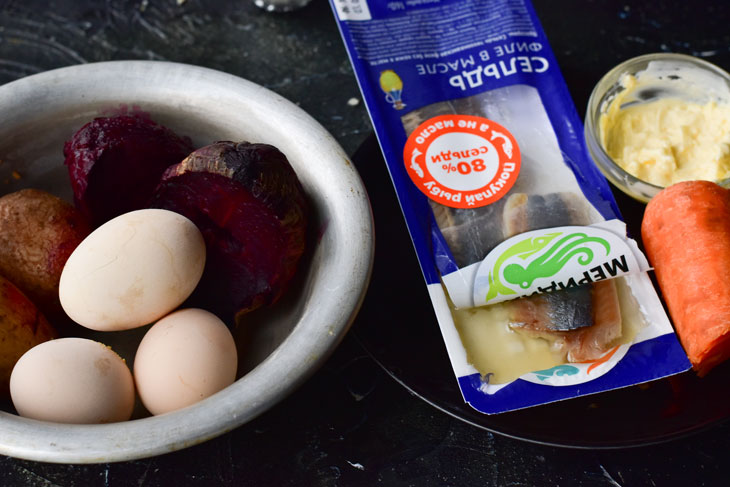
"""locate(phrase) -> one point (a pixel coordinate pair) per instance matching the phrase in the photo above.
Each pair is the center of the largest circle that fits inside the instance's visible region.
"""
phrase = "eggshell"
(72, 380)
(184, 358)
(132, 270)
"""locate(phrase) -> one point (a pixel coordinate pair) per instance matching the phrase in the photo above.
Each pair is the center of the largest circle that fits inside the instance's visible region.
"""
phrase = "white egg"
(72, 380)
(185, 357)
(132, 270)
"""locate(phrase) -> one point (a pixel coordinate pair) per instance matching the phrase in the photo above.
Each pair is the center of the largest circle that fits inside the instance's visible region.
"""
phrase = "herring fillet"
(580, 344)
(470, 233)
(545, 313)
(563, 317)
(581, 321)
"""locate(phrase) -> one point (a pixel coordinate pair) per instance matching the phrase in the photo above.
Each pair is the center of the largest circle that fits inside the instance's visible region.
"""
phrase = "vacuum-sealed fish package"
(539, 293)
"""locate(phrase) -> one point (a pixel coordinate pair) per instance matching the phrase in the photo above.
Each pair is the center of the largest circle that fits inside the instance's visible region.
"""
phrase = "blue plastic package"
(539, 294)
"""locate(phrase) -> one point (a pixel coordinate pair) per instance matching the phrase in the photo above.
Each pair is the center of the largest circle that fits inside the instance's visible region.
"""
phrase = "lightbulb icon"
(392, 85)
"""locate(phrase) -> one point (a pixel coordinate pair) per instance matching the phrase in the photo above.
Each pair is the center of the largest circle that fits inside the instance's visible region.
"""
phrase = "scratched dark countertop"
(351, 424)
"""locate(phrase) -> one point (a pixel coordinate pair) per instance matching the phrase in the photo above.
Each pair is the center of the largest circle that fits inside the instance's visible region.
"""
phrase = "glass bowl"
(708, 83)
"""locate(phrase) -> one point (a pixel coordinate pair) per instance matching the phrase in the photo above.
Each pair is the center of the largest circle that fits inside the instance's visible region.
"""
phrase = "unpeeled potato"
(38, 232)
(22, 326)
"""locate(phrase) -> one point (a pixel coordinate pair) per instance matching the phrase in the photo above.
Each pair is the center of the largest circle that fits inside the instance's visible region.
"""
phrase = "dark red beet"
(115, 164)
(249, 205)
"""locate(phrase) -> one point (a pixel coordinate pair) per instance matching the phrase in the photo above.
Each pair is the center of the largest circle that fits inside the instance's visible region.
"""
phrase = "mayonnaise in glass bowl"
(675, 130)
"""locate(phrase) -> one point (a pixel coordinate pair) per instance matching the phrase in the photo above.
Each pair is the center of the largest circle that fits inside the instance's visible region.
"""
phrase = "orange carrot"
(686, 234)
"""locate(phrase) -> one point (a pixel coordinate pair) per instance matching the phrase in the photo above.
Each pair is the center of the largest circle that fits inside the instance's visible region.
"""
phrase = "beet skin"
(250, 207)
(115, 163)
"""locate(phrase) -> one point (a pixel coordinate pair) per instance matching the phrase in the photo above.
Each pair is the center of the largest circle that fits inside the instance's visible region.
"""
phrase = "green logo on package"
(548, 263)
(548, 260)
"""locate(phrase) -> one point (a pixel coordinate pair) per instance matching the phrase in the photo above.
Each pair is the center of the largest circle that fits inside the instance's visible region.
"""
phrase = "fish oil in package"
(539, 293)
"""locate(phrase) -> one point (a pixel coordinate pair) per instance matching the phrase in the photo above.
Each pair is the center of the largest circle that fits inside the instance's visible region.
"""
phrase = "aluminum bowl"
(40, 112)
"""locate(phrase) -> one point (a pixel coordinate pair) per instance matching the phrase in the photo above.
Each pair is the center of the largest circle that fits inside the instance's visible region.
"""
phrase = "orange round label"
(462, 161)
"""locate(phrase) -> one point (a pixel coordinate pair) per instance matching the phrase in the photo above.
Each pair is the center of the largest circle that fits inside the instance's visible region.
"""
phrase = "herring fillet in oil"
(584, 323)
(426, 71)
(472, 232)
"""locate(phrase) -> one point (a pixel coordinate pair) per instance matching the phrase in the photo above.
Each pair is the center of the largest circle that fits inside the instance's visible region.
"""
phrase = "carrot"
(686, 234)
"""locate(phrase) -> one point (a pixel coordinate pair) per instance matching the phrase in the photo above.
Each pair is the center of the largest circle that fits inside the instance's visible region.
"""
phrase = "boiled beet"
(116, 162)
(249, 205)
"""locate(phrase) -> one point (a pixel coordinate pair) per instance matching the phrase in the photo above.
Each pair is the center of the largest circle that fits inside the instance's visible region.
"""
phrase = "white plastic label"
(352, 9)
(556, 258)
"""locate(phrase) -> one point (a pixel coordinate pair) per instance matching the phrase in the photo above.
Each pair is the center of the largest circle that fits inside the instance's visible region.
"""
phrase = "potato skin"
(38, 232)
(22, 326)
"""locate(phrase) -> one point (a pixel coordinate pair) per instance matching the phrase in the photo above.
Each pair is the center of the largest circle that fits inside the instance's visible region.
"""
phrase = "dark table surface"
(351, 424)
